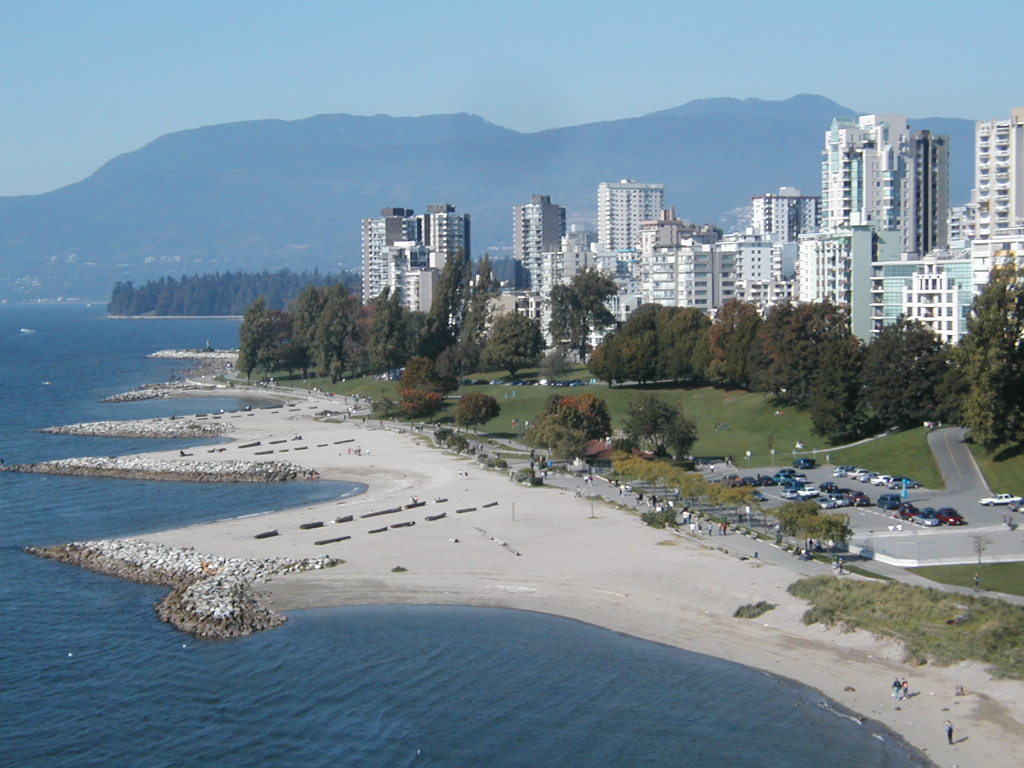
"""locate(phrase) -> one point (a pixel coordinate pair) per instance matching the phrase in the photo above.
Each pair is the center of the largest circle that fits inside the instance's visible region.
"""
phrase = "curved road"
(956, 462)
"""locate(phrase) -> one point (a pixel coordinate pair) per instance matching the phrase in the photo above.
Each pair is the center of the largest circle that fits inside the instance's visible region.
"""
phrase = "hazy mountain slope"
(273, 194)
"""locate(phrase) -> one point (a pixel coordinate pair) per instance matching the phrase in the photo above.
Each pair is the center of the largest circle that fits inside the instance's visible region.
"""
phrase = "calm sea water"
(90, 677)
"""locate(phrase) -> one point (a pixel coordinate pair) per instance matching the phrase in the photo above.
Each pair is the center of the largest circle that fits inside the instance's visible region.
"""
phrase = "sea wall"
(166, 428)
(195, 354)
(210, 597)
(136, 468)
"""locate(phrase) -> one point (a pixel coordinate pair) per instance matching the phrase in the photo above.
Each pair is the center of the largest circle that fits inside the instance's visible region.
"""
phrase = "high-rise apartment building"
(621, 207)
(400, 242)
(538, 228)
(876, 172)
(783, 217)
(997, 203)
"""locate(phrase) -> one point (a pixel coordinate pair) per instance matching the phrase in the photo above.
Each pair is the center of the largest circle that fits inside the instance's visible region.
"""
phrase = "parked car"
(825, 502)
(867, 477)
(809, 492)
(843, 470)
(785, 471)
(841, 499)
(860, 499)
(765, 480)
(734, 481)
(805, 464)
(889, 502)
(881, 479)
(758, 496)
(828, 486)
(949, 516)
(898, 483)
(927, 517)
(907, 511)
(790, 494)
(1017, 506)
(999, 498)
(857, 474)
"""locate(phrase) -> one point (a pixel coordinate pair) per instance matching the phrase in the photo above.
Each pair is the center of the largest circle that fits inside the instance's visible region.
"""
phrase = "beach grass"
(1007, 578)
(754, 610)
(933, 626)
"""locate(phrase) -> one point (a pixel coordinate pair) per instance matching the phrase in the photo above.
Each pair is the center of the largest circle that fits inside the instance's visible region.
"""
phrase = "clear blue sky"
(81, 82)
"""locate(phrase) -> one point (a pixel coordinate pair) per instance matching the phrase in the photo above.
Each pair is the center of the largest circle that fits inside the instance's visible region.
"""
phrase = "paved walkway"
(956, 462)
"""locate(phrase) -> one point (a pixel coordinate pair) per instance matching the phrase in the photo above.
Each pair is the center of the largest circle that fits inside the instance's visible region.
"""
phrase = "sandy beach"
(542, 549)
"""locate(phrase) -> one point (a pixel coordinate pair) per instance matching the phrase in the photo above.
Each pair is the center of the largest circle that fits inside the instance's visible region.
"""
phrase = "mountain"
(273, 194)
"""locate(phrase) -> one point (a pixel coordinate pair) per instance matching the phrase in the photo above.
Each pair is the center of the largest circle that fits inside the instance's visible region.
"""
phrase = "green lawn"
(729, 422)
(998, 577)
(1005, 475)
(904, 453)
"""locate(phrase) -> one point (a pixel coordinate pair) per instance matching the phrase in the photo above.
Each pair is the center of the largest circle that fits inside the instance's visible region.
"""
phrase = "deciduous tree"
(475, 409)
(578, 309)
(659, 426)
(515, 342)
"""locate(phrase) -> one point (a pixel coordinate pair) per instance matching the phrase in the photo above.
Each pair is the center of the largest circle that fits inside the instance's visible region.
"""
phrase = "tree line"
(805, 356)
(227, 293)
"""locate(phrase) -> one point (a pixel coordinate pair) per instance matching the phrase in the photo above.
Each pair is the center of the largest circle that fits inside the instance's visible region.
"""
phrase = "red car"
(949, 516)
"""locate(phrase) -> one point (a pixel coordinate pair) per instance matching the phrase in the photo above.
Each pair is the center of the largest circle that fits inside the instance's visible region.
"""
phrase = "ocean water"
(90, 677)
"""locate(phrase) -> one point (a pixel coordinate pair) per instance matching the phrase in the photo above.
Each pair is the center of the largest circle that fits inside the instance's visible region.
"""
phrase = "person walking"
(906, 689)
(897, 689)
(977, 581)
(949, 731)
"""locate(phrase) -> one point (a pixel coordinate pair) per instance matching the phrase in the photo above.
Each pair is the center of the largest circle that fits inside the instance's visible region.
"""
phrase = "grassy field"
(729, 422)
(934, 626)
(1005, 474)
(998, 577)
(904, 453)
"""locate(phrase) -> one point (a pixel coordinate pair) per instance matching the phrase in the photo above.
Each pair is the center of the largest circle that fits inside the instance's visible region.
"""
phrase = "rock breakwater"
(154, 391)
(137, 468)
(166, 428)
(210, 597)
(195, 354)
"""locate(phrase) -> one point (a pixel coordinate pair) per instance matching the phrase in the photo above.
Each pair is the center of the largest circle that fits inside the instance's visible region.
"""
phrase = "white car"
(867, 477)
(999, 498)
(881, 479)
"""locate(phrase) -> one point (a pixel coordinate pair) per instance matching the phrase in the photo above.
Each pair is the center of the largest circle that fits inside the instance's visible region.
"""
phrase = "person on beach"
(949, 731)
(897, 689)
(906, 689)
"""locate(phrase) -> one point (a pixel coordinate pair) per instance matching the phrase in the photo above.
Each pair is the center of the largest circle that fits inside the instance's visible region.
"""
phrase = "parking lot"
(901, 542)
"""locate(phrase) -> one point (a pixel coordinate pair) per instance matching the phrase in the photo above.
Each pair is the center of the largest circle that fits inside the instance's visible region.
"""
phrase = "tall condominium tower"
(784, 216)
(389, 241)
(620, 209)
(538, 228)
(876, 172)
(997, 203)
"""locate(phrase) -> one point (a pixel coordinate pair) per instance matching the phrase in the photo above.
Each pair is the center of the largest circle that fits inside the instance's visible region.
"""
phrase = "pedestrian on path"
(977, 582)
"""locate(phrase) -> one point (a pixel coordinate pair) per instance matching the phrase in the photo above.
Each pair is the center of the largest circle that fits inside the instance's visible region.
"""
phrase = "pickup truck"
(999, 498)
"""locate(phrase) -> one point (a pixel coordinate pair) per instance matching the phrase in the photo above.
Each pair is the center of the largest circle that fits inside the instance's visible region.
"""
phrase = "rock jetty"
(154, 391)
(195, 354)
(167, 428)
(138, 468)
(210, 597)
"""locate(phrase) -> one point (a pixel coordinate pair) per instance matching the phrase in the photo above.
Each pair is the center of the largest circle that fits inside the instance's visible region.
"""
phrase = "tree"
(660, 426)
(475, 409)
(306, 310)
(422, 389)
(682, 343)
(463, 357)
(388, 344)
(330, 350)
(567, 423)
(515, 342)
(578, 309)
(731, 341)
(992, 358)
(554, 364)
(910, 398)
(444, 321)
(255, 338)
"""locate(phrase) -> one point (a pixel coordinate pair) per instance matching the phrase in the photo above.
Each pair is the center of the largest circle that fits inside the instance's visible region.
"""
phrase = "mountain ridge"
(272, 194)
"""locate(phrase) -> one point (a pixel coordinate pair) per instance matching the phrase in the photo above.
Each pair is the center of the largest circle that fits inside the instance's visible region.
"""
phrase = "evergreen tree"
(578, 309)
(255, 338)
(448, 309)
(992, 358)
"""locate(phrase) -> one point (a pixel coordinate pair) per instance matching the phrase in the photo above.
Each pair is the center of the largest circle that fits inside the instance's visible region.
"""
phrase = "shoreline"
(537, 549)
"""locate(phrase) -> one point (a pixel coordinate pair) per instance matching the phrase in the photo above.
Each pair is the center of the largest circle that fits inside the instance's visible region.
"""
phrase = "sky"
(82, 82)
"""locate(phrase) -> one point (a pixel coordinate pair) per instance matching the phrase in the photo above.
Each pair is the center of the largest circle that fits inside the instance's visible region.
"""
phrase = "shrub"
(500, 464)
(664, 519)
(752, 611)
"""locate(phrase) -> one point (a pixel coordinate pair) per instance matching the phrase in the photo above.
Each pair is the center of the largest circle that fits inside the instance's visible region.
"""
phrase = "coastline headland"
(435, 528)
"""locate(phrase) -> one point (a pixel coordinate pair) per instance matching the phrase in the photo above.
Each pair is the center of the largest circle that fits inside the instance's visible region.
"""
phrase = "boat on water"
(27, 330)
